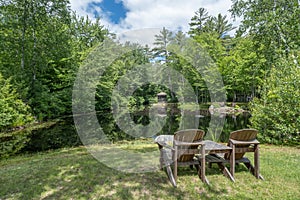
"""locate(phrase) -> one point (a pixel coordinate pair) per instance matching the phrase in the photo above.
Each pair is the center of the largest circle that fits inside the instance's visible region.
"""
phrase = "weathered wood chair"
(180, 150)
(241, 142)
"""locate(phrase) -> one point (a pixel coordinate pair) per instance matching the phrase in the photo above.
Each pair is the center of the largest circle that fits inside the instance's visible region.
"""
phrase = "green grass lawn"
(75, 174)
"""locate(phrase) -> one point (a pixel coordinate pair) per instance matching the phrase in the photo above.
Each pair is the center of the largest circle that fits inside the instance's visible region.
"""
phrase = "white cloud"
(172, 14)
(145, 36)
(80, 6)
(167, 13)
(84, 8)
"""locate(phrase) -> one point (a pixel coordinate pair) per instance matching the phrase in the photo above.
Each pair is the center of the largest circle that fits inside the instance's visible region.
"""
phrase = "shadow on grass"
(75, 175)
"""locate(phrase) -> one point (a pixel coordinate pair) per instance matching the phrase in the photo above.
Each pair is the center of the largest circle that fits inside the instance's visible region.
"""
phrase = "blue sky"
(114, 10)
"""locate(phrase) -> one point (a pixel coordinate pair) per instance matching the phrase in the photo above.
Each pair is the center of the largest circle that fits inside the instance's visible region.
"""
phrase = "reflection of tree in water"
(162, 113)
(173, 122)
(233, 123)
(110, 128)
(141, 117)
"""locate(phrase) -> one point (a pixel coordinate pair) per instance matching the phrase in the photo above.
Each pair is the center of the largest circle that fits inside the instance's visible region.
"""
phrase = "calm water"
(64, 134)
(217, 126)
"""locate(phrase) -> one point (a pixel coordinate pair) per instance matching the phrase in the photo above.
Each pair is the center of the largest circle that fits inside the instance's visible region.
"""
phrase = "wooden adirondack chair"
(185, 144)
(241, 142)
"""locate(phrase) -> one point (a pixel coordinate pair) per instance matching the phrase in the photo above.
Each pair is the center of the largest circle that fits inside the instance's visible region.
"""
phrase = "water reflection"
(176, 119)
(63, 133)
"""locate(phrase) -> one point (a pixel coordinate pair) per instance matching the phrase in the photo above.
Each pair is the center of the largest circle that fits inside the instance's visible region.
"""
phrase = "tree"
(86, 34)
(179, 38)
(212, 44)
(210, 33)
(275, 24)
(43, 46)
(42, 27)
(276, 113)
(242, 69)
(221, 25)
(198, 21)
(126, 61)
(204, 23)
(13, 112)
(161, 42)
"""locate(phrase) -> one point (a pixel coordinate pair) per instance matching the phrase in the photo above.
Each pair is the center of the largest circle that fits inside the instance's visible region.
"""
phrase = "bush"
(277, 113)
(13, 112)
(12, 143)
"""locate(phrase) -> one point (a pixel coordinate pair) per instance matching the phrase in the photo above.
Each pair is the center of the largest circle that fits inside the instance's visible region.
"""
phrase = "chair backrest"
(188, 135)
(242, 135)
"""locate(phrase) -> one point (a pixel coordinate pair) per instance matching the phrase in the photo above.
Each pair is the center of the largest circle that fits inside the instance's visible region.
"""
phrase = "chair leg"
(175, 163)
(175, 170)
(202, 162)
(226, 171)
(250, 168)
(201, 173)
(261, 177)
(256, 160)
(171, 176)
(232, 160)
(161, 164)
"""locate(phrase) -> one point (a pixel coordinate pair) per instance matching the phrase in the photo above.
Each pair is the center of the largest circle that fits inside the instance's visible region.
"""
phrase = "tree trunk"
(23, 36)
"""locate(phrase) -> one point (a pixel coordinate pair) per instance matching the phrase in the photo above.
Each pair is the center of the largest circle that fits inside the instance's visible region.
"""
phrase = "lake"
(144, 123)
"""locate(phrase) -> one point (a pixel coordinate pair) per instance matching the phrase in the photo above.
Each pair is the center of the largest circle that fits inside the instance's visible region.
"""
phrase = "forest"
(43, 43)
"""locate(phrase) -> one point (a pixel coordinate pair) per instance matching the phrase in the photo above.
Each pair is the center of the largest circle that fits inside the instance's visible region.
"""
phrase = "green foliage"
(13, 111)
(86, 35)
(242, 69)
(274, 29)
(161, 42)
(13, 142)
(40, 53)
(120, 66)
(42, 46)
(275, 24)
(202, 22)
(277, 113)
(212, 44)
(198, 21)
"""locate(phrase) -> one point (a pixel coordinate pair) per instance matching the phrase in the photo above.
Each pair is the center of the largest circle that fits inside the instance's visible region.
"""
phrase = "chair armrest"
(165, 145)
(196, 143)
(164, 141)
(235, 142)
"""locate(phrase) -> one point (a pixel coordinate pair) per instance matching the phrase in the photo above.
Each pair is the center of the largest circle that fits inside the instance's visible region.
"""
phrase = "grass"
(74, 174)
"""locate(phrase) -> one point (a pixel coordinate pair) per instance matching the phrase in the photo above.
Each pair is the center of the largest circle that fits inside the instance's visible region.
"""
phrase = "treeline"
(43, 44)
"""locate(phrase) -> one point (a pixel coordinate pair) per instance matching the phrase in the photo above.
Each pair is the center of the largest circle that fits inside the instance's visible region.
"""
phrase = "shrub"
(277, 113)
(13, 142)
(13, 111)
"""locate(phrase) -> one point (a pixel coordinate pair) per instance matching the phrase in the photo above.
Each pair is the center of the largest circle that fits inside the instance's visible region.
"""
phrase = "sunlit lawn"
(75, 174)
